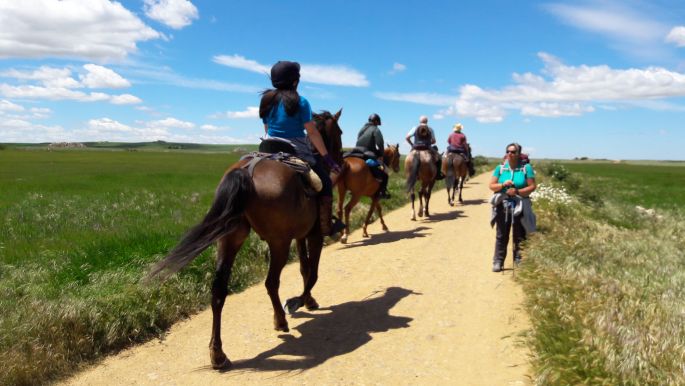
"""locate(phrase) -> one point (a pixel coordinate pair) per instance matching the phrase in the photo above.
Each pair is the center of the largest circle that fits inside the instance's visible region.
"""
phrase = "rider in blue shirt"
(287, 116)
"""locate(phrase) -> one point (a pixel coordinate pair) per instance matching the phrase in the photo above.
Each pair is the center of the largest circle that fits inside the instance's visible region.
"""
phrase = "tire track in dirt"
(415, 305)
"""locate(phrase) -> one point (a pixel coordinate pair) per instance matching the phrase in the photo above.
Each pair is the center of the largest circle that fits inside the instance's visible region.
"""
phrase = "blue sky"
(602, 79)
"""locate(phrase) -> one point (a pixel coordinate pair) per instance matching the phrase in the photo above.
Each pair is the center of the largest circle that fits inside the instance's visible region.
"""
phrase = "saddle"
(283, 152)
(360, 152)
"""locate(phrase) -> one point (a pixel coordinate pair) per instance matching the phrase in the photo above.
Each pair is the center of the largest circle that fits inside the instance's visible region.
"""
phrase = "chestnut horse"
(455, 170)
(357, 178)
(420, 165)
(273, 202)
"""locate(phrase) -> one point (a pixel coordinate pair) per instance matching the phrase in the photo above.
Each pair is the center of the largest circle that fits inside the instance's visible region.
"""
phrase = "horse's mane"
(321, 118)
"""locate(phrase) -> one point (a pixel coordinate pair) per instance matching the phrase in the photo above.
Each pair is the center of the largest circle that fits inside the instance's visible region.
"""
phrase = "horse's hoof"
(311, 304)
(365, 235)
(343, 239)
(292, 304)
(385, 228)
(219, 360)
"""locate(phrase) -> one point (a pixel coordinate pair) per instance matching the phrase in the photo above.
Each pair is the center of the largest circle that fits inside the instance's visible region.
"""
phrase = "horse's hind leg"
(279, 256)
(228, 246)
(461, 188)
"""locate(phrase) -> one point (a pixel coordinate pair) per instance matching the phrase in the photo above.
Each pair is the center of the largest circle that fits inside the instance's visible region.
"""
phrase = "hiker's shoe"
(496, 267)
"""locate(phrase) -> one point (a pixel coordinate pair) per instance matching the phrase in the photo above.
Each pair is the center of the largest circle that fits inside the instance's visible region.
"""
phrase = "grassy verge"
(79, 230)
(605, 283)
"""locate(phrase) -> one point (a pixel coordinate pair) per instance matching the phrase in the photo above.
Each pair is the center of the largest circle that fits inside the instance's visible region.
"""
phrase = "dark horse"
(357, 178)
(275, 204)
(455, 170)
(420, 165)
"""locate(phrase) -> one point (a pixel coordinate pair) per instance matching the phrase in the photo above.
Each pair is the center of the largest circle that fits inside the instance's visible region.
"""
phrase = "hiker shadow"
(388, 237)
(451, 215)
(339, 330)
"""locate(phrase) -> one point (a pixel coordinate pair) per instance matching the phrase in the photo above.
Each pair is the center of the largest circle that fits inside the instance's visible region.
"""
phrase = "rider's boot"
(330, 225)
(383, 190)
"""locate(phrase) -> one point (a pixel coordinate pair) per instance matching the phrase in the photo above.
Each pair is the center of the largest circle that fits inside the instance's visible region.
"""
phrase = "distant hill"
(137, 146)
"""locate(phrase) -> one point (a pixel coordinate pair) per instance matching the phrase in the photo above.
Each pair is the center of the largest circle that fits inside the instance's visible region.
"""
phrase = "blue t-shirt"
(279, 124)
(520, 174)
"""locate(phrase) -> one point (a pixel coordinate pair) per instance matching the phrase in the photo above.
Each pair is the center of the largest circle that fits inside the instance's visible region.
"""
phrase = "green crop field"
(604, 279)
(649, 184)
(80, 227)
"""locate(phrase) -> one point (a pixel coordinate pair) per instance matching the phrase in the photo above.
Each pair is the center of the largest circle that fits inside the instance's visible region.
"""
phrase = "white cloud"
(677, 36)
(334, 75)
(174, 13)
(92, 29)
(240, 62)
(397, 68)
(630, 27)
(563, 90)
(312, 73)
(166, 76)
(125, 99)
(208, 127)
(58, 84)
(171, 123)
(6, 105)
(250, 112)
(421, 98)
(102, 77)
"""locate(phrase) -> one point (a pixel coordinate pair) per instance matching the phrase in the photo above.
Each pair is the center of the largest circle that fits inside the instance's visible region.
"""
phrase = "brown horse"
(420, 165)
(357, 178)
(273, 202)
(455, 170)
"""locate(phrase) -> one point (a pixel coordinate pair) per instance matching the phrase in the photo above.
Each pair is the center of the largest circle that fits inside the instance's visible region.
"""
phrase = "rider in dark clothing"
(370, 139)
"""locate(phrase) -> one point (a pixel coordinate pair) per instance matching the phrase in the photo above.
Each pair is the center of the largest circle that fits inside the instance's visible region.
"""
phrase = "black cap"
(375, 119)
(284, 74)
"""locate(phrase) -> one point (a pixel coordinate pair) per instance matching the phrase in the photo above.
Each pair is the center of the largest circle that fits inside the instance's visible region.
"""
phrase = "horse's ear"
(337, 115)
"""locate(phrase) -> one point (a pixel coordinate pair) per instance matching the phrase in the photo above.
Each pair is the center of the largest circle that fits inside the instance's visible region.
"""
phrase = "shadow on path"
(339, 330)
(475, 202)
(451, 215)
(389, 237)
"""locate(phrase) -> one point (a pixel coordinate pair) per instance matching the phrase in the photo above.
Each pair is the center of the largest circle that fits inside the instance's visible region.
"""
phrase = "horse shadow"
(343, 329)
(451, 215)
(389, 237)
(475, 201)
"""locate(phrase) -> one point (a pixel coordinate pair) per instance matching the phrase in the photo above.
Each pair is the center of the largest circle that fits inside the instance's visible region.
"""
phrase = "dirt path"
(416, 305)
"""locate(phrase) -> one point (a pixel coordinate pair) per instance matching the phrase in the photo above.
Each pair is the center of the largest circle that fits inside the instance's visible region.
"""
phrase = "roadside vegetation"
(604, 277)
(80, 228)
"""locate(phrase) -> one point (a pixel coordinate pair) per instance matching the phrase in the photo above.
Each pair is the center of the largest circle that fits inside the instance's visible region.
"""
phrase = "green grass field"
(604, 280)
(80, 227)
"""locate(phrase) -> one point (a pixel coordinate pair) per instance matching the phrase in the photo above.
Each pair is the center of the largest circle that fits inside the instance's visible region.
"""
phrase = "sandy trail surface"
(415, 305)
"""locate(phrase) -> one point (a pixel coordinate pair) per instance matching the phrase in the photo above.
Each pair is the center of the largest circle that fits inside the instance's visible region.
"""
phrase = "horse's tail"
(230, 201)
(414, 171)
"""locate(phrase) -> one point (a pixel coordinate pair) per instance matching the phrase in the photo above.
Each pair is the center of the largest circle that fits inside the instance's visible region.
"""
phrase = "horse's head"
(327, 125)
(391, 157)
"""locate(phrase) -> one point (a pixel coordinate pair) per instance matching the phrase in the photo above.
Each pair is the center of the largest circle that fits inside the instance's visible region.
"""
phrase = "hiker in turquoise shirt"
(512, 182)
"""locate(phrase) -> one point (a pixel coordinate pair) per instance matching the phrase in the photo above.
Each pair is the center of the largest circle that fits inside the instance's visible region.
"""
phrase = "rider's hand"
(508, 183)
(511, 192)
(335, 168)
